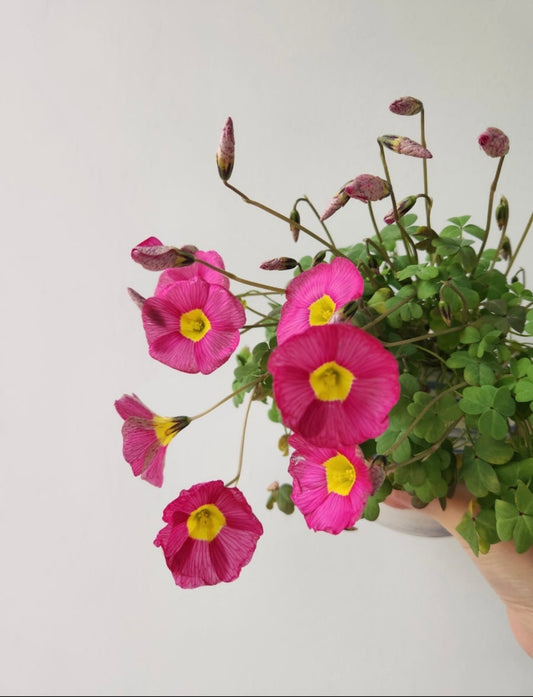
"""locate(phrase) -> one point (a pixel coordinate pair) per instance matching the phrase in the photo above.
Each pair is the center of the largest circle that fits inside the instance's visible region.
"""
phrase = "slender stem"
(326, 243)
(324, 227)
(524, 235)
(498, 247)
(429, 335)
(378, 234)
(428, 451)
(489, 210)
(409, 246)
(241, 449)
(380, 250)
(425, 166)
(384, 314)
(253, 383)
(275, 289)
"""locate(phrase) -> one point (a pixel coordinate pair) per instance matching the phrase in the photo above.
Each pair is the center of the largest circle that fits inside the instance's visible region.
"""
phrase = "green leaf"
(491, 423)
(467, 530)
(524, 499)
(523, 533)
(506, 517)
(474, 230)
(284, 501)
(494, 451)
(479, 477)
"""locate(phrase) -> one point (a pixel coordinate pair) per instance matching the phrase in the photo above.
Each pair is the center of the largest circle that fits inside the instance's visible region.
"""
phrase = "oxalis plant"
(400, 361)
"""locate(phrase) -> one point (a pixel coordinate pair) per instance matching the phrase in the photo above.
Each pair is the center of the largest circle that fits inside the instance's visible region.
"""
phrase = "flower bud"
(279, 264)
(406, 106)
(368, 187)
(340, 199)
(377, 472)
(405, 146)
(494, 142)
(226, 151)
(294, 215)
(505, 249)
(346, 312)
(319, 257)
(502, 213)
(402, 207)
(136, 297)
(154, 256)
(445, 312)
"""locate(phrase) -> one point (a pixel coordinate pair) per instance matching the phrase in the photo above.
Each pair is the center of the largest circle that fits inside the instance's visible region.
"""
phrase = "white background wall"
(110, 119)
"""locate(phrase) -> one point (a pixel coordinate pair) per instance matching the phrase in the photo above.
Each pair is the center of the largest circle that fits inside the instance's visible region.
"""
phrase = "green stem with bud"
(241, 449)
(253, 383)
(489, 210)
(522, 238)
(233, 277)
(425, 167)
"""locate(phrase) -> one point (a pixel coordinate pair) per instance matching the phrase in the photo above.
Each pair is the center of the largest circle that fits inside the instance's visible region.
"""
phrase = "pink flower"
(196, 269)
(406, 106)
(405, 146)
(340, 199)
(226, 151)
(211, 533)
(330, 485)
(368, 187)
(313, 297)
(334, 384)
(494, 142)
(153, 255)
(193, 326)
(146, 436)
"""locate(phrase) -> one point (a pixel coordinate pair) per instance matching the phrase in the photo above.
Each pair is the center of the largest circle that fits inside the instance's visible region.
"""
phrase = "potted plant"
(401, 361)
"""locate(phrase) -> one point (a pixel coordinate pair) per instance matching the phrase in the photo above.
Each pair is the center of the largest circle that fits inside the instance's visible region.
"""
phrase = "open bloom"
(194, 270)
(494, 142)
(145, 437)
(193, 326)
(314, 296)
(211, 533)
(334, 384)
(330, 485)
(368, 187)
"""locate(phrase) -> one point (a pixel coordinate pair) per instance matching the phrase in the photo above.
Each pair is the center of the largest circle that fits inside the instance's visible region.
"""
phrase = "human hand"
(509, 573)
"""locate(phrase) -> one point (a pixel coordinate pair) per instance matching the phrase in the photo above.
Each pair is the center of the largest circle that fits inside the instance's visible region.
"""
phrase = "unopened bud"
(502, 213)
(494, 142)
(404, 146)
(319, 258)
(402, 207)
(294, 215)
(283, 446)
(377, 472)
(136, 297)
(345, 313)
(279, 264)
(406, 106)
(226, 151)
(154, 256)
(340, 199)
(505, 249)
(445, 312)
(273, 487)
(368, 187)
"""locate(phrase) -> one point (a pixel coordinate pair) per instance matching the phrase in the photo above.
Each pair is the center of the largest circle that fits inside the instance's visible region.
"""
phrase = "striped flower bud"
(226, 151)
(505, 249)
(402, 207)
(154, 256)
(494, 142)
(340, 199)
(368, 187)
(279, 264)
(502, 213)
(136, 297)
(406, 106)
(295, 216)
(405, 146)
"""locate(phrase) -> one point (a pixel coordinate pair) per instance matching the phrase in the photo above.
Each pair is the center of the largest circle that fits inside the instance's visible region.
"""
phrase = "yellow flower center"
(205, 522)
(164, 429)
(331, 382)
(321, 310)
(340, 474)
(194, 324)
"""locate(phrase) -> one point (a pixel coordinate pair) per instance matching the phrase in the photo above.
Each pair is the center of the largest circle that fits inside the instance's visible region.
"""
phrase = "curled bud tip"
(279, 264)
(494, 142)
(406, 106)
(405, 146)
(368, 187)
(226, 151)
(273, 487)
(154, 256)
(403, 207)
(340, 199)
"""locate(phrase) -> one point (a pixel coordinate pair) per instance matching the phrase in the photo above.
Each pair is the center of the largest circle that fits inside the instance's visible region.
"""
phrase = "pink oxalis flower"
(330, 485)
(193, 326)
(210, 534)
(494, 142)
(314, 296)
(195, 270)
(334, 384)
(145, 437)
